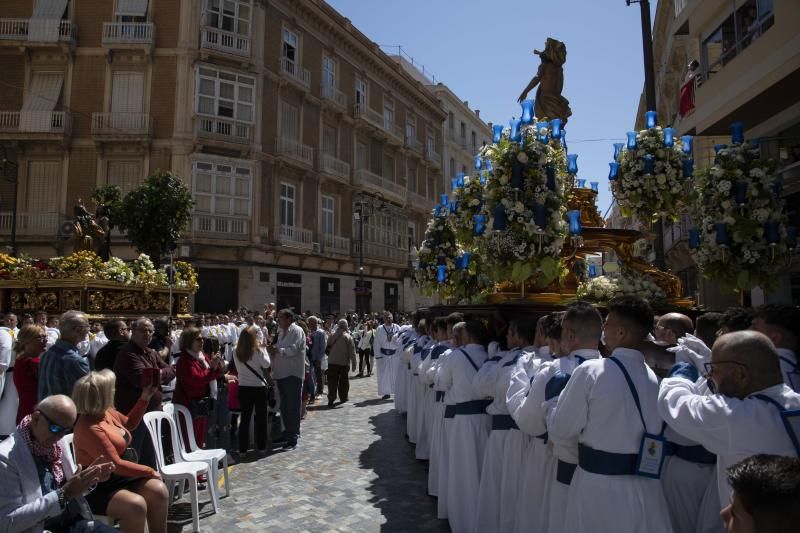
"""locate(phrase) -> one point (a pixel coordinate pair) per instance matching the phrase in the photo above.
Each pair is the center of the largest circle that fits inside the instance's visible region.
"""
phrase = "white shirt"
(791, 374)
(247, 378)
(497, 369)
(456, 373)
(519, 387)
(692, 350)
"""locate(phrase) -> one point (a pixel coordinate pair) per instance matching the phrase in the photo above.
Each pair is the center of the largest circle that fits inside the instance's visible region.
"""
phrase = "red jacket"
(192, 379)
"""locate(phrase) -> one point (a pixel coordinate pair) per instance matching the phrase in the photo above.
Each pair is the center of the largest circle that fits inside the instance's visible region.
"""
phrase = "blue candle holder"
(482, 178)
(487, 165)
(718, 147)
(555, 128)
(651, 117)
(572, 163)
(452, 206)
(517, 180)
(497, 133)
(436, 210)
(460, 179)
(515, 134)
(669, 137)
(737, 133)
(631, 140)
(581, 183)
(444, 199)
(550, 171)
(688, 168)
(617, 149)
(441, 273)
(574, 219)
(478, 224)
(527, 111)
(694, 238)
(478, 163)
(740, 192)
(686, 143)
(595, 185)
(500, 220)
(592, 270)
(613, 169)
(465, 259)
(791, 237)
(540, 215)
(771, 232)
(453, 184)
(722, 238)
(649, 164)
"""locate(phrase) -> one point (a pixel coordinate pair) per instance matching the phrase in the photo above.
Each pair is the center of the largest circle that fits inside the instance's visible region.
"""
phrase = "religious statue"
(89, 235)
(550, 79)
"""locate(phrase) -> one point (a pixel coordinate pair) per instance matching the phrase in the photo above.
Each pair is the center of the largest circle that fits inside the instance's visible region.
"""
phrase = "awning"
(49, 9)
(46, 20)
(132, 8)
(40, 100)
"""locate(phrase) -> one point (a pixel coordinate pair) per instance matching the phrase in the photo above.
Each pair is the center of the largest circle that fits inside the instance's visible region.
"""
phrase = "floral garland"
(524, 204)
(602, 289)
(468, 203)
(651, 181)
(185, 276)
(439, 248)
(738, 211)
(83, 264)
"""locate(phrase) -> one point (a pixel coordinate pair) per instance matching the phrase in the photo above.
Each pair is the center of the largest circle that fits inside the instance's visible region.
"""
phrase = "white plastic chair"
(177, 472)
(213, 456)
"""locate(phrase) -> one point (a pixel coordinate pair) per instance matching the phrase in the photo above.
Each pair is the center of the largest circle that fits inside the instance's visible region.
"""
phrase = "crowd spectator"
(780, 323)
(118, 335)
(342, 355)
(251, 363)
(318, 350)
(365, 342)
(63, 364)
(288, 368)
(29, 347)
(134, 494)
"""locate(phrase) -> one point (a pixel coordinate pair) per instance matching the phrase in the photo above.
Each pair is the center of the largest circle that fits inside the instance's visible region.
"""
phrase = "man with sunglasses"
(749, 414)
(40, 489)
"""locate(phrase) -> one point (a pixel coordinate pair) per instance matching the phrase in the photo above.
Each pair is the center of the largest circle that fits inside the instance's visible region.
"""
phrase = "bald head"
(57, 409)
(673, 326)
(745, 350)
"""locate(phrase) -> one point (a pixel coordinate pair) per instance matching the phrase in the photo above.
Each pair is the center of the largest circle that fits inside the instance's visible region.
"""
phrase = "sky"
(482, 50)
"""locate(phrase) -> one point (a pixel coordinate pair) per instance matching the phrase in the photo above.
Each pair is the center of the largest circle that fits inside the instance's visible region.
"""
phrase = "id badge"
(651, 456)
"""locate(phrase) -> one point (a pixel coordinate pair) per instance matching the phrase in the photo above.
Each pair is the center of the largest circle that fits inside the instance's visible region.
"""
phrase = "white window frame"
(327, 215)
(241, 84)
(329, 68)
(290, 39)
(238, 18)
(362, 89)
(388, 113)
(411, 234)
(411, 126)
(287, 203)
(234, 174)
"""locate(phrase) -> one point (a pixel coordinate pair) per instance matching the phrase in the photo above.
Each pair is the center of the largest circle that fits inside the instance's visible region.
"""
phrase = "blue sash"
(449, 411)
(438, 351)
(516, 358)
(565, 471)
(462, 350)
(473, 407)
(790, 418)
(503, 422)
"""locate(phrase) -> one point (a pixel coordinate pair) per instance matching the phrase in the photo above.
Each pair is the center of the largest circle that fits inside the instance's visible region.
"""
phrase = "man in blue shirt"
(318, 343)
(62, 364)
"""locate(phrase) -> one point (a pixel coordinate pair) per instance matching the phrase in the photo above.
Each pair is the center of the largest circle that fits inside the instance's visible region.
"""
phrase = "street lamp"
(365, 206)
(9, 171)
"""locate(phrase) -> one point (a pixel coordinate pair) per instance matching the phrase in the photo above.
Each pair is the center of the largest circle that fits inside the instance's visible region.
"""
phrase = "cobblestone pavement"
(353, 470)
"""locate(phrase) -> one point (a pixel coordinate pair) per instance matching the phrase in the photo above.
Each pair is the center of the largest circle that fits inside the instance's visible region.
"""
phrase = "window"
(43, 96)
(388, 113)
(412, 179)
(287, 199)
(429, 144)
(464, 169)
(42, 184)
(329, 140)
(132, 10)
(290, 45)
(451, 124)
(736, 33)
(329, 72)
(328, 215)
(388, 167)
(361, 92)
(412, 236)
(127, 92)
(290, 121)
(126, 175)
(411, 127)
(463, 133)
(229, 15)
(474, 143)
(452, 167)
(362, 155)
(221, 188)
(225, 94)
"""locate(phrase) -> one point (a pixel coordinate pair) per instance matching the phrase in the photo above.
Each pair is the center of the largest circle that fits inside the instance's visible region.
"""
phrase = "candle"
(517, 180)
(527, 111)
(581, 183)
(722, 238)
(479, 224)
(687, 144)
(460, 179)
(444, 199)
(441, 273)
(688, 168)
(631, 140)
(617, 149)
(555, 128)
(478, 162)
(497, 133)
(651, 117)
(649, 164)
(669, 137)
(740, 192)
(574, 219)
(572, 163)
(771, 232)
(595, 185)
(515, 135)
(694, 238)
(540, 215)
(499, 223)
(613, 168)
(737, 133)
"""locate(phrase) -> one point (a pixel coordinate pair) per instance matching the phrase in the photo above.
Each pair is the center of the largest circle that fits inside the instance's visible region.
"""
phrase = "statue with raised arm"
(550, 79)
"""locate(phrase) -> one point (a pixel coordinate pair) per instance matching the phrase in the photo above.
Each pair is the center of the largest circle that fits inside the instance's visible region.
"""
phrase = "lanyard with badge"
(790, 418)
(653, 447)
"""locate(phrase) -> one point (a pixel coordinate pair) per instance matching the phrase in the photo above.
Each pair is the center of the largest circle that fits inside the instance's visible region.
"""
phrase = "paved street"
(353, 470)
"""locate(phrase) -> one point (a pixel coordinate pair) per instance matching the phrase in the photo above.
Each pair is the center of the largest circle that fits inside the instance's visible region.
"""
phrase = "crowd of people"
(627, 422)
(68, 374)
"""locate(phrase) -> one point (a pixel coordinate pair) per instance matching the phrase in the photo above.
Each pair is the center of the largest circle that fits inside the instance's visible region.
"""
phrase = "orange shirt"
(110, 435)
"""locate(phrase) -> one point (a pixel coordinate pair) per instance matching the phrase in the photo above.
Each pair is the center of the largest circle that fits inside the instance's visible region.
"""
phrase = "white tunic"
(387, 355)
(408, 368)
(733, 429)
(423, 400)
(401, 382)
(597, 409)
(791, 374)
(9, 400)
(428, 371)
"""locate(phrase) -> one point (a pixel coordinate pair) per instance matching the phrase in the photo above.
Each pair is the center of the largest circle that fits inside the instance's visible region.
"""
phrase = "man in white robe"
(605, 410)
(422, 396)
(780, 323)
(744, 418)
(9, 399)
(387, 351)
(436, 354)
(402, 377)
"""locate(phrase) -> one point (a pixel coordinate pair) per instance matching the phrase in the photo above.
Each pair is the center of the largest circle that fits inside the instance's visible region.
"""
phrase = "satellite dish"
(610, 267)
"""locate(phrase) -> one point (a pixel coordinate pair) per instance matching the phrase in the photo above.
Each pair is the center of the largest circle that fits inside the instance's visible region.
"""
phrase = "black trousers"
(365, 360)
(250, 399)
(318, 377)
(338, 382)
(290, 389)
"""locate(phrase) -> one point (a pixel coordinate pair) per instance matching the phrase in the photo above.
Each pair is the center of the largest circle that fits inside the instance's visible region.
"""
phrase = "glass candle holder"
(453, 184)
(649, 164)
(581, 183)
(686, 144)
(572, 163)
(737, 133)
(722, 238)
(500, 221)
(478, 163)
(452, 206)
(595, 185)
(460, 179)
(631, 145)
(669, 137)
(444, 199)
(592, 270)
(497, 133)
(651, 117)
(487, 165)
(555, 128)
(478, 224)
(613, 169)
(540, 215)
(574, 220)
(688, 168)
(466, 257)
(617, 149)
(772, 232)
(482, 178)
(441, 273)
(527, 111)
(740, 192)
(515, 134)
(694, 238)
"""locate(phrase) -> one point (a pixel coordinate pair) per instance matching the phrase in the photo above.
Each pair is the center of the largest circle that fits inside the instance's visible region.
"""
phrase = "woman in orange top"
(135, 492)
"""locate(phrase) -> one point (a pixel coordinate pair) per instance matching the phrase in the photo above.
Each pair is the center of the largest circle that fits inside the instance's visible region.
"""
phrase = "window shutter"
(42, 185)
(127, 92)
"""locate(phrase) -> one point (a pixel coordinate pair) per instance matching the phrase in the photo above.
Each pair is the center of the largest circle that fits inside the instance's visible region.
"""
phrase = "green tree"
(155, 213)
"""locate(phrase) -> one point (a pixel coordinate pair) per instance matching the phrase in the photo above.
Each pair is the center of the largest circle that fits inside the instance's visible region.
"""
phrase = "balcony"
(367, 114)
(295, 237)
(381, 252)
(122, 126)
(396, 133)
(415, 145)
(35, 125)
(38, 31)
(223, 129)
(30, 224)
(433, 156)
(375, 183)
(294, 150)
(420, 202)
(335, 167)
(334, 96)
(225, 41)
(335, 244)
(296, 73)
(218, 227)
(129, 35)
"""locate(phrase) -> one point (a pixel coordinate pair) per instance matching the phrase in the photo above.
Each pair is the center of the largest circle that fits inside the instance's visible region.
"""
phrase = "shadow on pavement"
(399, 489)
(372, 402)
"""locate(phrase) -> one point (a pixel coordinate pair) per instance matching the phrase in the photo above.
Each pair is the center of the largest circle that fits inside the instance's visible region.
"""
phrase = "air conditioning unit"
(315, 247)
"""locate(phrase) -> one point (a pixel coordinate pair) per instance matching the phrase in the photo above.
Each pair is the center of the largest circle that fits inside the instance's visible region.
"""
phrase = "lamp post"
(364, 208)
(9, 170)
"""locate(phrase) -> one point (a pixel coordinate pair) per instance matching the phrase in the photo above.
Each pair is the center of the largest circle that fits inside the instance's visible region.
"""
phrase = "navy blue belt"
(386, 351)
(474, 407)
(414, 373)
(503, 422)
(439, 395)
(565, 471)
(543, 436)
(431, 386)
(449, 411)
(693, 454)
(409, 366)
(607, 463)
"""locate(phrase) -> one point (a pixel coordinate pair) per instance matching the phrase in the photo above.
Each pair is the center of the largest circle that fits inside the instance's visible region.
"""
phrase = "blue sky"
(483, 51)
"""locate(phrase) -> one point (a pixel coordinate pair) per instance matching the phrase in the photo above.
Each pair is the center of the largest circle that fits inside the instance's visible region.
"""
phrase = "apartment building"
(313, 158)
(747, 55)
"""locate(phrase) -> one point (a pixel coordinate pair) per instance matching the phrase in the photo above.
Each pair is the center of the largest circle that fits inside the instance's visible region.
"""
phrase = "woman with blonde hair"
(134, 493)
(30, 345)
(251, 363)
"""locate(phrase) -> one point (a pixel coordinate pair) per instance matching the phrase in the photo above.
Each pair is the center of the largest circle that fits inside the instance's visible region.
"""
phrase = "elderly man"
(387, 350)
(40, 489)
(63, 364)
(318, 348)
(118, 334)
(134, 365)
(746, 416)
(288, 370)
(780, 323)
(671, 327)
(342, 354)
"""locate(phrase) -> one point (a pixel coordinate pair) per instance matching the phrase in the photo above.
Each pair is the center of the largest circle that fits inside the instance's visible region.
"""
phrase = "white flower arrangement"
(469, 202)
(602, 289)
(438, 247)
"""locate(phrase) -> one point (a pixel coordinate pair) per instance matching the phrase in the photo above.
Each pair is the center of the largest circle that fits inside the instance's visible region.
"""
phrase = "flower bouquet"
(115, 269)
(83, 264)
(468, 203)
(742, 239)
(439, 256)
(602, 289)
(185, 276)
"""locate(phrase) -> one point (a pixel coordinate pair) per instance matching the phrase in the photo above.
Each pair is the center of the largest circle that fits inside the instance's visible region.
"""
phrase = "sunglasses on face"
(54, 428)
